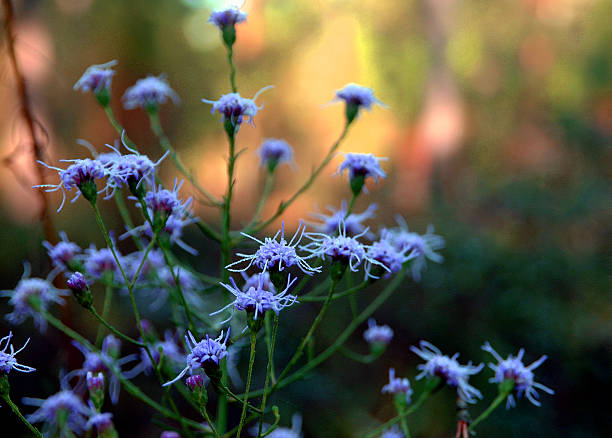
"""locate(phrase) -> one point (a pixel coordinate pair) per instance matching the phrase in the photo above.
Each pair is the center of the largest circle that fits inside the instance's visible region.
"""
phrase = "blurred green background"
(498, 132)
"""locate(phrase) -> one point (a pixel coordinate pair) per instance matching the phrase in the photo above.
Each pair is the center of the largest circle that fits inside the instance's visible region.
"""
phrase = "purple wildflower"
(204, 354)
(227, 17)
(352, 223)
(274, 151)
(30, 296)
(358, 95)
(253, 281)
(448, 369)
(168, 349)
(101, 421)
(512, 368)
(362, 165)
(257, 300)
(148, 93)
(398, 385)
(95, 382)
(236, 108)
(275, 253)
(195, 382)
(169, 434)
(66, 403)
(386, 255)
(377, 334)
(420, 247)
(96, 78)
(81, 174)
(167, 202)
(8, 361)
(77, 282)
(99, 262)
(62, 253)
(393, 432)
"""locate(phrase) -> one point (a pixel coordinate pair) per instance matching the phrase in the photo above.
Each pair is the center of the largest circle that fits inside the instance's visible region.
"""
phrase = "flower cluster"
(235, 108)
(398, 385)
(149, 93)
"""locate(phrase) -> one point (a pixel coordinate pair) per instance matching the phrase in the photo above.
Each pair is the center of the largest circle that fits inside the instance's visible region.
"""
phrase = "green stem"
(336, 296)
(16, 411)
(117, 126)
(313, 327)
(209, 421)
(503, 395)
(157, 129)
(269, 371)
(108, 296)
(268, 185)
(351, 205)
(114, 330)
(226, 246)
(284, 205)
(361, 358)
(401, 412)
(230, 60)
(248, 383)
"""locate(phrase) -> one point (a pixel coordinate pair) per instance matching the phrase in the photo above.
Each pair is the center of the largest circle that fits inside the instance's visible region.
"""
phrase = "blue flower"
(275, 253)
(227, 17)
(62, 253)
(275, 151)
(381, 334)
(81, 174)
(352, 223)
(96, 78)
(168, 349)
(393, 432)
(398, 385)
(235, 108)
(148, 93)
(512, 368)
(31, 293)
(204, 354)
(358, 95)
(385, 255)
(167, 202)
(62, 405)
(101, 421)
(447, 369)
(257, 300)
(362, 165)
(419, 246)
(98, 262)
(77, 282)
(8, 361)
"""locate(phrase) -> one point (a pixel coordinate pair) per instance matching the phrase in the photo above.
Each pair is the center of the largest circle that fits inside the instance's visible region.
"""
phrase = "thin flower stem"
(209, 421)
(226, 243)
(117, 126)
(361, 358)
(268, 374)
(284, 205)
(179, 288)
(347, 292)
(108, 297)
(157, 129)
(248, 383)
(233, 430)
(7, 399)
(114, 330)
(401, 411)
(351, 205)
(268, 185)
(494, 404)
(230, 60)
(315, 323)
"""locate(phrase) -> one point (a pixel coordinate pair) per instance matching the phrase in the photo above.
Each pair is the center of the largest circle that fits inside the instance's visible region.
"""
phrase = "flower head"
(32, 296)
(235, 108)
(356, 97)
(352, 223)
(227, 17)
(513, 369)
(360, 167)
(419, 246)
(168, 349)
(77, 282)
(167, 202)
(101, 421)
(393, 432)
(99, 262)
(205, 354)
(62, 253)
(257, 300)
(398, 385)
(377, 334)
(386, 255)
(148, 93)
(275, 253)
(447, 369)
(7, 359)
(273, 152)
(81, 174)
(62, 406)
(97, 78)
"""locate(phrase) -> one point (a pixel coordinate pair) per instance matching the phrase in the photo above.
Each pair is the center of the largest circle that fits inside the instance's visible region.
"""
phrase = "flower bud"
(78, 286)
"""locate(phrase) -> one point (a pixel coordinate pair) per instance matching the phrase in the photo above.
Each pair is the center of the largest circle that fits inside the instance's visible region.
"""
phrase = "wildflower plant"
(281, 272)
